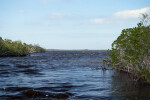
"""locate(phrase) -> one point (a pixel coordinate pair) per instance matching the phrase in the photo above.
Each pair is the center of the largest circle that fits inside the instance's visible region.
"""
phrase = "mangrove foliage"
(17, 48)
(131, 50)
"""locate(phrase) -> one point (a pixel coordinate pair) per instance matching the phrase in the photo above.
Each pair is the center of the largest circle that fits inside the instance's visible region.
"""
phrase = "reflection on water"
(124, 86)
(65, 75)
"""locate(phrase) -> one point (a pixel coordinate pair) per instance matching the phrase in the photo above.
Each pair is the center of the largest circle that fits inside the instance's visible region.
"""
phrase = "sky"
(69, 24)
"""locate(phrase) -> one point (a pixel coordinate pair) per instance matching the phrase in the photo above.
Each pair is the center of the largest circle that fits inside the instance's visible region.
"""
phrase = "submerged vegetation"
(131, 51)
(17, 48)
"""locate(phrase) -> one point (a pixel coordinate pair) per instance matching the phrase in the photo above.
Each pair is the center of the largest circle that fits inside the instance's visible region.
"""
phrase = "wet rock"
(37, 94)
(33, 94)
(62, 96)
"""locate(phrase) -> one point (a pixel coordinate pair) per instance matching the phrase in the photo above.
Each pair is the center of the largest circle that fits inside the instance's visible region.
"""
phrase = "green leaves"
(17, 48)
(146, 74)
(131, 50)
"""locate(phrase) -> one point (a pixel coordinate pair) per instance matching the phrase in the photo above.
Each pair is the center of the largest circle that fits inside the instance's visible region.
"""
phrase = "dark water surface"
(69, 75)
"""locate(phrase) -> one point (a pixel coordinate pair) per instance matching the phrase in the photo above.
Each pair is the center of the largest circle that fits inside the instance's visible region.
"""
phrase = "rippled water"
(65, 75)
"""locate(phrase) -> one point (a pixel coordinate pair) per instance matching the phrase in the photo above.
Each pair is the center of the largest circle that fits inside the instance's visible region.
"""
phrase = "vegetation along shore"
(9, 48)
(131, 51)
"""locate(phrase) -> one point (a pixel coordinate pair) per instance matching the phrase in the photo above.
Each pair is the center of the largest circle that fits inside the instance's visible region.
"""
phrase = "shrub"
(17, 48)
(131, 50)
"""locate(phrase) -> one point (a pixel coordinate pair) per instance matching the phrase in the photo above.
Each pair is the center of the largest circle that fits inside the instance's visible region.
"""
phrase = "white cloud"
(122, 16)
(21, 11)
(98, 20)
(57, 16)
(130, 14)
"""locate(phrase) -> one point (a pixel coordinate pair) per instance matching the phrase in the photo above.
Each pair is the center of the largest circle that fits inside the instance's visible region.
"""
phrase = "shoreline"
(74, 50)
(134, 76)
(48, 50)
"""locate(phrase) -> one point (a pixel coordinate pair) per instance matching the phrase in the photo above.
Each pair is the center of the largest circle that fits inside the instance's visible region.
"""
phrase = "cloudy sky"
(69, 24)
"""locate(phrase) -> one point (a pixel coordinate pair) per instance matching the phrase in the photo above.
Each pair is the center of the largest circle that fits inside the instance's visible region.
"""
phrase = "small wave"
(28, 71)
(24, 66)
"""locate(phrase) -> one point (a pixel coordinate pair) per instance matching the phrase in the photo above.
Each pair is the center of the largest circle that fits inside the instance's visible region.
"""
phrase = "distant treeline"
(131, 50)
(17, 48)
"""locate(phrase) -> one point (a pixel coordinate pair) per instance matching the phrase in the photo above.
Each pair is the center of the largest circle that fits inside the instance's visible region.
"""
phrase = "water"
(66, 75)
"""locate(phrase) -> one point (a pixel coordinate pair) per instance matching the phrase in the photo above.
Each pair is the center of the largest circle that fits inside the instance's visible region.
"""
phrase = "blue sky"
(69, 24)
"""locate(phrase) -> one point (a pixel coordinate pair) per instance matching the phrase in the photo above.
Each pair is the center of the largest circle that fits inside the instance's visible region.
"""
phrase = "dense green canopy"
(131, 50)
(17, 48)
